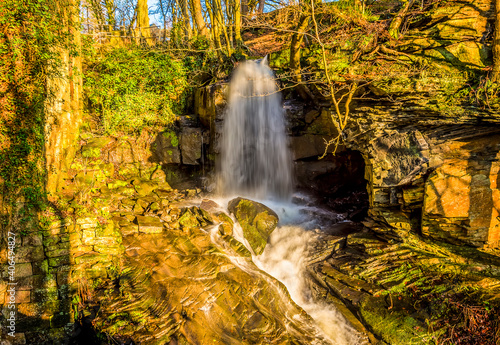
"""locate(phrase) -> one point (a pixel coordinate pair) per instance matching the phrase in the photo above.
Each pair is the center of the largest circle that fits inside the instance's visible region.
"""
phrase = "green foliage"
(30, 31)
(130, 88)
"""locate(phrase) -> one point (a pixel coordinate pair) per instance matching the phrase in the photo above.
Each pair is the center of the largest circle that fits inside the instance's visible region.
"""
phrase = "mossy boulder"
(194, 217)
(257, 221)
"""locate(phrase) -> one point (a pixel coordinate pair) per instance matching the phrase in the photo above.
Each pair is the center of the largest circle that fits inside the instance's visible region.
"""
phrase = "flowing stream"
(256, 163)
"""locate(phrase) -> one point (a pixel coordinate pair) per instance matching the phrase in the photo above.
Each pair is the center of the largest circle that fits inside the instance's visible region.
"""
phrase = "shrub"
(130, 88)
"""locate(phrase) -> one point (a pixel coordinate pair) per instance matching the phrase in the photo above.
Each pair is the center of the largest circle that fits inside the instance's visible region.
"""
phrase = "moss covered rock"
(94, 146)
(257, 221)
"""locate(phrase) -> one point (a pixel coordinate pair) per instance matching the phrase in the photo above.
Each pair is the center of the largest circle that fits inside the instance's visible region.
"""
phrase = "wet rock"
(257, 221)
(125, 191)
(154, 206)
(188, 294)
(210, 206)
(138, 208)
(149, 225)
(226, 226)
(209, 103)
(195, 217)
(189, 220)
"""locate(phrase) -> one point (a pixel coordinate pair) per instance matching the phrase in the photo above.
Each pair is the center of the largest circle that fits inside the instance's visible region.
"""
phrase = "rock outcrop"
(257, 221)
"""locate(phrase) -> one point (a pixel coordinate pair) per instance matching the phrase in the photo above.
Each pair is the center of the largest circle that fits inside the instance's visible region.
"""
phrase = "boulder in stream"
(257, 221)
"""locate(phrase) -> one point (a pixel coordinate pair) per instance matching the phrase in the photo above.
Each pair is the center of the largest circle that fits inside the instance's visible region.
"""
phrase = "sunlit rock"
(257, 221)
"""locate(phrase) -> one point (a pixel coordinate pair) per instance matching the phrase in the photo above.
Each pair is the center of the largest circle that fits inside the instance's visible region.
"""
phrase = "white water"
(285, 259)
(255, 160)
(256, 163)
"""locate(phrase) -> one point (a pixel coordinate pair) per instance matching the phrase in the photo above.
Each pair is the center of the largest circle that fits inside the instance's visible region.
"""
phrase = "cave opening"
(336, 181)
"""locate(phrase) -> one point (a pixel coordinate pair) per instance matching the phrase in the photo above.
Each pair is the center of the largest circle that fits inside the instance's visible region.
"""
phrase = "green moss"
(174, 140)
(396, 327)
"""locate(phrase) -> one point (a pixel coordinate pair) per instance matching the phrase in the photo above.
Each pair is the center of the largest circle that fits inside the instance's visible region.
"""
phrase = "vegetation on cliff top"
(130, 88)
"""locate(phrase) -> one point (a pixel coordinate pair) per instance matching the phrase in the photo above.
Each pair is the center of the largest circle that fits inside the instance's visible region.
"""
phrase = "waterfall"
(256, 163)
(255, 158)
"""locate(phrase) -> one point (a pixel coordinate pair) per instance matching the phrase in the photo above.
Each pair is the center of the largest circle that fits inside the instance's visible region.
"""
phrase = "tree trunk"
(142, 28)
(186, 20)
(495, 73)
(215, 30)
(237, 23)
(244, 7)
(63, 108)
(164, 31)
(222, 25)
(295, 50)
(398, 20)
(201, 26)
(110, 9)
(95, 7)
(262, 3)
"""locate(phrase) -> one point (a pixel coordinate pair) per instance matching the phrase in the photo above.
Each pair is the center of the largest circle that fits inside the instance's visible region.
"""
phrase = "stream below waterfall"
(286, 257)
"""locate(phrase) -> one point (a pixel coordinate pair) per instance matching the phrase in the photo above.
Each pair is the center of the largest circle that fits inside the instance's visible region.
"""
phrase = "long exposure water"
(255, 159)
(255, 163)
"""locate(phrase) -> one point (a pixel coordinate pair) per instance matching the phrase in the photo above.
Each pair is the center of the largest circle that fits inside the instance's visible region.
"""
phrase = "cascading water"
(256, 163)
(255, 159)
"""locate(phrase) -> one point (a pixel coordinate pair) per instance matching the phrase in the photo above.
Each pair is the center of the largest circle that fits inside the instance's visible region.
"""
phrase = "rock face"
(257, 221)
(437, 175)
(196, 295)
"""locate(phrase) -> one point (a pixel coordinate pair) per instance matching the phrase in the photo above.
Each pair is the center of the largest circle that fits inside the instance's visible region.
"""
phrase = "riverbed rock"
(197, 298)
(257, 221)
(149, 225)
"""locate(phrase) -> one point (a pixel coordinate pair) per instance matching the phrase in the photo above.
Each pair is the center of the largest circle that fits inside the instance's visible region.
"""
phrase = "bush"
(130, 88)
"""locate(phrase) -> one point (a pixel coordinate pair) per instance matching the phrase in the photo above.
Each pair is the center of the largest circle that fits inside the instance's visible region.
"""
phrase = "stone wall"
(52, 266)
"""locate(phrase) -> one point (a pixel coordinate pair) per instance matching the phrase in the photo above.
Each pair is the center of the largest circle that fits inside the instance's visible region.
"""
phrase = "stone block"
(59, 261)
(88, 237)
(23, 270)
(62, 251)
(23, 296)
(87, 221)
(106, 241)
(90, 258)
(29, 254)
(111, 250)
(149, 225)
(79, 250)
(166, 148)
(190, 144)
(129, 229)
(32, 240)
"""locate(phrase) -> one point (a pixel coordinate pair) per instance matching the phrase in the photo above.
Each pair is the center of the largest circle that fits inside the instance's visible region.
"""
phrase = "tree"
(495, 73)
(199, 21)
(398, 19)
(142, 29)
